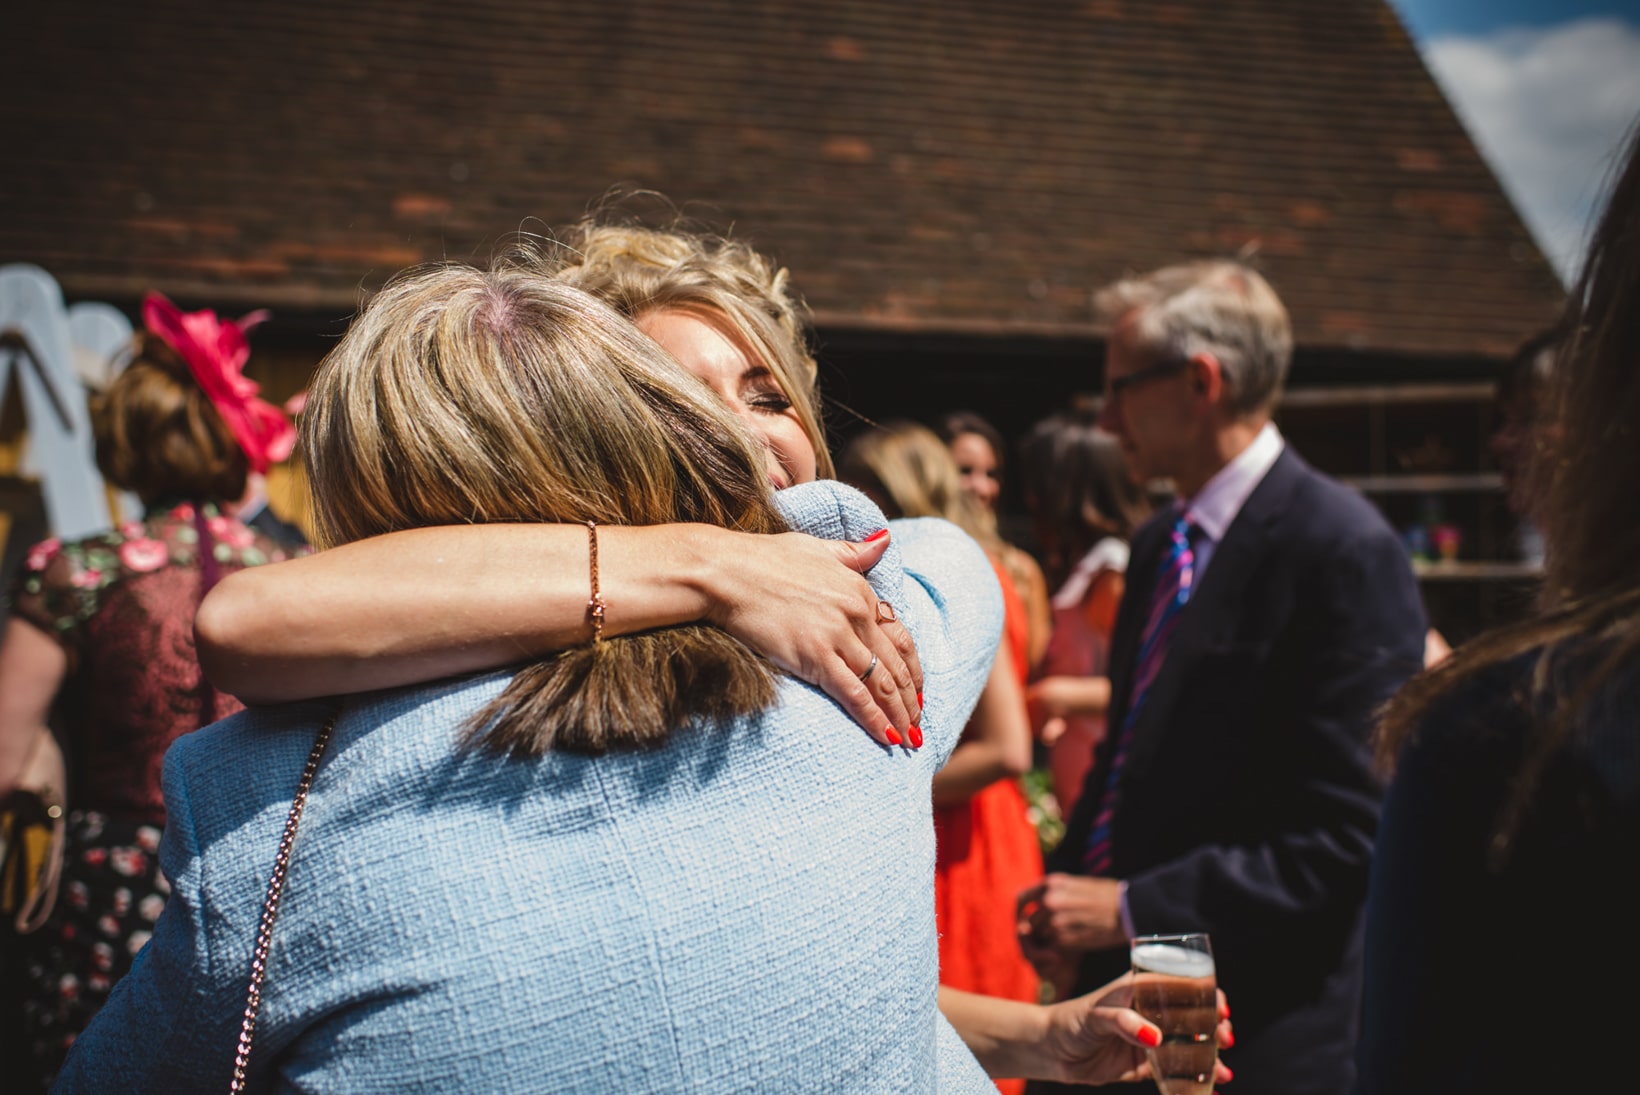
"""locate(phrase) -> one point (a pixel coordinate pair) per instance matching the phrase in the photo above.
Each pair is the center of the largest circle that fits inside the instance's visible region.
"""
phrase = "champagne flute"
(1174, 986)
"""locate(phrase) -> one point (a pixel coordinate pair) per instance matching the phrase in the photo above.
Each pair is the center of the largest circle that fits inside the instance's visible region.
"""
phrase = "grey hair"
(1212, 307)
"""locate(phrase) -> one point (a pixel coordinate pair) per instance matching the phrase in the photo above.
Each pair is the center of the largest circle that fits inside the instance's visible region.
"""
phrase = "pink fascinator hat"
(216, 351)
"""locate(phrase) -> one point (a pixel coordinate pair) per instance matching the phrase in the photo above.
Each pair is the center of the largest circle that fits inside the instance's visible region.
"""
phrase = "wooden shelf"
(1474, 571)
(1484, 392)
(1424, 484)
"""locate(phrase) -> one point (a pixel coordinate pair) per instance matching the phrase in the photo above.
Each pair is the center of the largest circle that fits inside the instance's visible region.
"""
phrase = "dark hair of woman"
(1077, 488)
(957, 423)
(1584, 476)
(1528, 371)
(158, 435)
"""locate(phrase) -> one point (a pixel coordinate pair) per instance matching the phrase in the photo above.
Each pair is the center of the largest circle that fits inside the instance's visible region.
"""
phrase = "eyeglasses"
(1116, 385)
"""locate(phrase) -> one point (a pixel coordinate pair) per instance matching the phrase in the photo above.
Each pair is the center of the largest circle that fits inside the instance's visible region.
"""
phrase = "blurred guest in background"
(1267, 614)
(1521, 391)
(1506, 862)
(1084, 506)
(100, 644)
(986, 848)
(977, 447)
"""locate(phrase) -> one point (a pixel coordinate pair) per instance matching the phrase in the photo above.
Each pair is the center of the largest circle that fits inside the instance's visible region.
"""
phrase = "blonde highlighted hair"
(462, 396)
(639, 270)
(910, 472)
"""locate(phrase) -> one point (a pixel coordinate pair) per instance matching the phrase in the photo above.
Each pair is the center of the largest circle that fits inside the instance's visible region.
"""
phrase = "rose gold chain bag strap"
(270, 906)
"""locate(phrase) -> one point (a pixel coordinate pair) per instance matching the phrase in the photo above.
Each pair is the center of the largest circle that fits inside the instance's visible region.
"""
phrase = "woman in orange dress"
(986, 849)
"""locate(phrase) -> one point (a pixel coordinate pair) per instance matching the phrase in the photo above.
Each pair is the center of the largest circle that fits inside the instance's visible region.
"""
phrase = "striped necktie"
(1172, 592)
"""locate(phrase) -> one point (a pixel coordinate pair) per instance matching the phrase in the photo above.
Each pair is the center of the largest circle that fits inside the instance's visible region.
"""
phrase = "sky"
(1547, 88)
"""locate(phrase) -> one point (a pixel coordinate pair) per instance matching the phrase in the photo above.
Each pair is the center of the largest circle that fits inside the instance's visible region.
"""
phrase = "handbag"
(33, 830)
(270, 907)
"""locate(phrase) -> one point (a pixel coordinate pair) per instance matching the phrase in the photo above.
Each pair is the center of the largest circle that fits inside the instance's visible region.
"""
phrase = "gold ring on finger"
(885, 613)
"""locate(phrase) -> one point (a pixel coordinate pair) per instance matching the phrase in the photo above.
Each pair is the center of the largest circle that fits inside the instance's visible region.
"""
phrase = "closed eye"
(762, 393)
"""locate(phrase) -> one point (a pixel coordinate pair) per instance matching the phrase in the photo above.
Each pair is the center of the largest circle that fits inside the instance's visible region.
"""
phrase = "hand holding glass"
(1174, 986)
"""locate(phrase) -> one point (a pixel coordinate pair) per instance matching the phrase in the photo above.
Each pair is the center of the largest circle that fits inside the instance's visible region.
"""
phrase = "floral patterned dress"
(121, 604)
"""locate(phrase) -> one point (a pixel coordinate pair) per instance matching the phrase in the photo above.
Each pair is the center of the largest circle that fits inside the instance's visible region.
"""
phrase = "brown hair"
(1584, 475)
(639, 270)
(958, 423)
(1077, 488)
(461, 396)
(158, 436)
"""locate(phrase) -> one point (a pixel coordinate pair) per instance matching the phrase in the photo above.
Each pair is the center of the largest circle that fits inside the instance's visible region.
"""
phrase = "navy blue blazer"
(1248, 804)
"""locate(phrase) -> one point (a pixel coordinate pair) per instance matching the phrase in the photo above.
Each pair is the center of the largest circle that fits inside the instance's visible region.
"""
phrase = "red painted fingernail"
(878, 535)
(1150, 1036)
(915, 734)
(1228, 1075)
(1229, 1039)
(892, 735)
(919, 699)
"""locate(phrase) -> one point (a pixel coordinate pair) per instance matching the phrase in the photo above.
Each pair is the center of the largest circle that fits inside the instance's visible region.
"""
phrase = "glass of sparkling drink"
(1174, 987)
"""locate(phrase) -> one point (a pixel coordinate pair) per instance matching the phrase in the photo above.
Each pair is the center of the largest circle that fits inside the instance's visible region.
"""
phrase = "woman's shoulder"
(232, 542)
(1491, 707)
(1503, 711)
(63, 583)
(934, 553)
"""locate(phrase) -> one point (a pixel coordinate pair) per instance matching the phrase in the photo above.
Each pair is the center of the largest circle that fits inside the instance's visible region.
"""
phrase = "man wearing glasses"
(1268, 613)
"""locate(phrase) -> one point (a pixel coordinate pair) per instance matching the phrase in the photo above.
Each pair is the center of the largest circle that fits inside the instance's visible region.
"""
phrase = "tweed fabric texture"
(748, 908)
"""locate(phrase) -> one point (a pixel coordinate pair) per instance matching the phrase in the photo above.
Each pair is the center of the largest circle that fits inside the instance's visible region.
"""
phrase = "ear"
(1207, 377)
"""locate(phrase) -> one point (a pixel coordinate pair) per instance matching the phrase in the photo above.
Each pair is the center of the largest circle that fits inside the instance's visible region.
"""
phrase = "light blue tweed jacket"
(748, 909)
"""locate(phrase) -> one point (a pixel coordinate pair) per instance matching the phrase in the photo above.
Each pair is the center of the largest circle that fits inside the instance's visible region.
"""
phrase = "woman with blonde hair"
(99, 647)
(986, 849)
(423, 603)
(626, 890)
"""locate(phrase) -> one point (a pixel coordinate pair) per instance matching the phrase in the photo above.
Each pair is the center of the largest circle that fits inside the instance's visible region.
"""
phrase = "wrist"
(1009, 1037)
(1033, 1054)
(707, 571)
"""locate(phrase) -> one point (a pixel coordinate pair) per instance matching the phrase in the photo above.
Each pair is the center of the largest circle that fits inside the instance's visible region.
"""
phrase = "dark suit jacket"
(1461, 948)
(1248, 804)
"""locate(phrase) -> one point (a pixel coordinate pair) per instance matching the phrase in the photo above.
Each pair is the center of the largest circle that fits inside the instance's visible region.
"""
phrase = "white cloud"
(1548, 108)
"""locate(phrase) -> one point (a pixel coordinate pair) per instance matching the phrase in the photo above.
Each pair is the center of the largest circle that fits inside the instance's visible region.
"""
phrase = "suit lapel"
(1211, 618)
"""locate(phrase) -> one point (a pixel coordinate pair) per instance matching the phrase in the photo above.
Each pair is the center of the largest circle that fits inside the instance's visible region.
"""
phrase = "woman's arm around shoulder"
(428, 603)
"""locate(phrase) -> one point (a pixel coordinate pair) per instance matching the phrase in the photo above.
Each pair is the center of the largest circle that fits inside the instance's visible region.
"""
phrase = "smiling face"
(711, 349)
(977, 464)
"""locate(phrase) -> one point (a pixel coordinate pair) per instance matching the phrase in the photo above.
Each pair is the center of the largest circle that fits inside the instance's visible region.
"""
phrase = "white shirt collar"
(1215, 506)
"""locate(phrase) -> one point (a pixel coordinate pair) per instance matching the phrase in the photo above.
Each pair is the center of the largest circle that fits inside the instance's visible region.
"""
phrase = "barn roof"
(967, 166)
